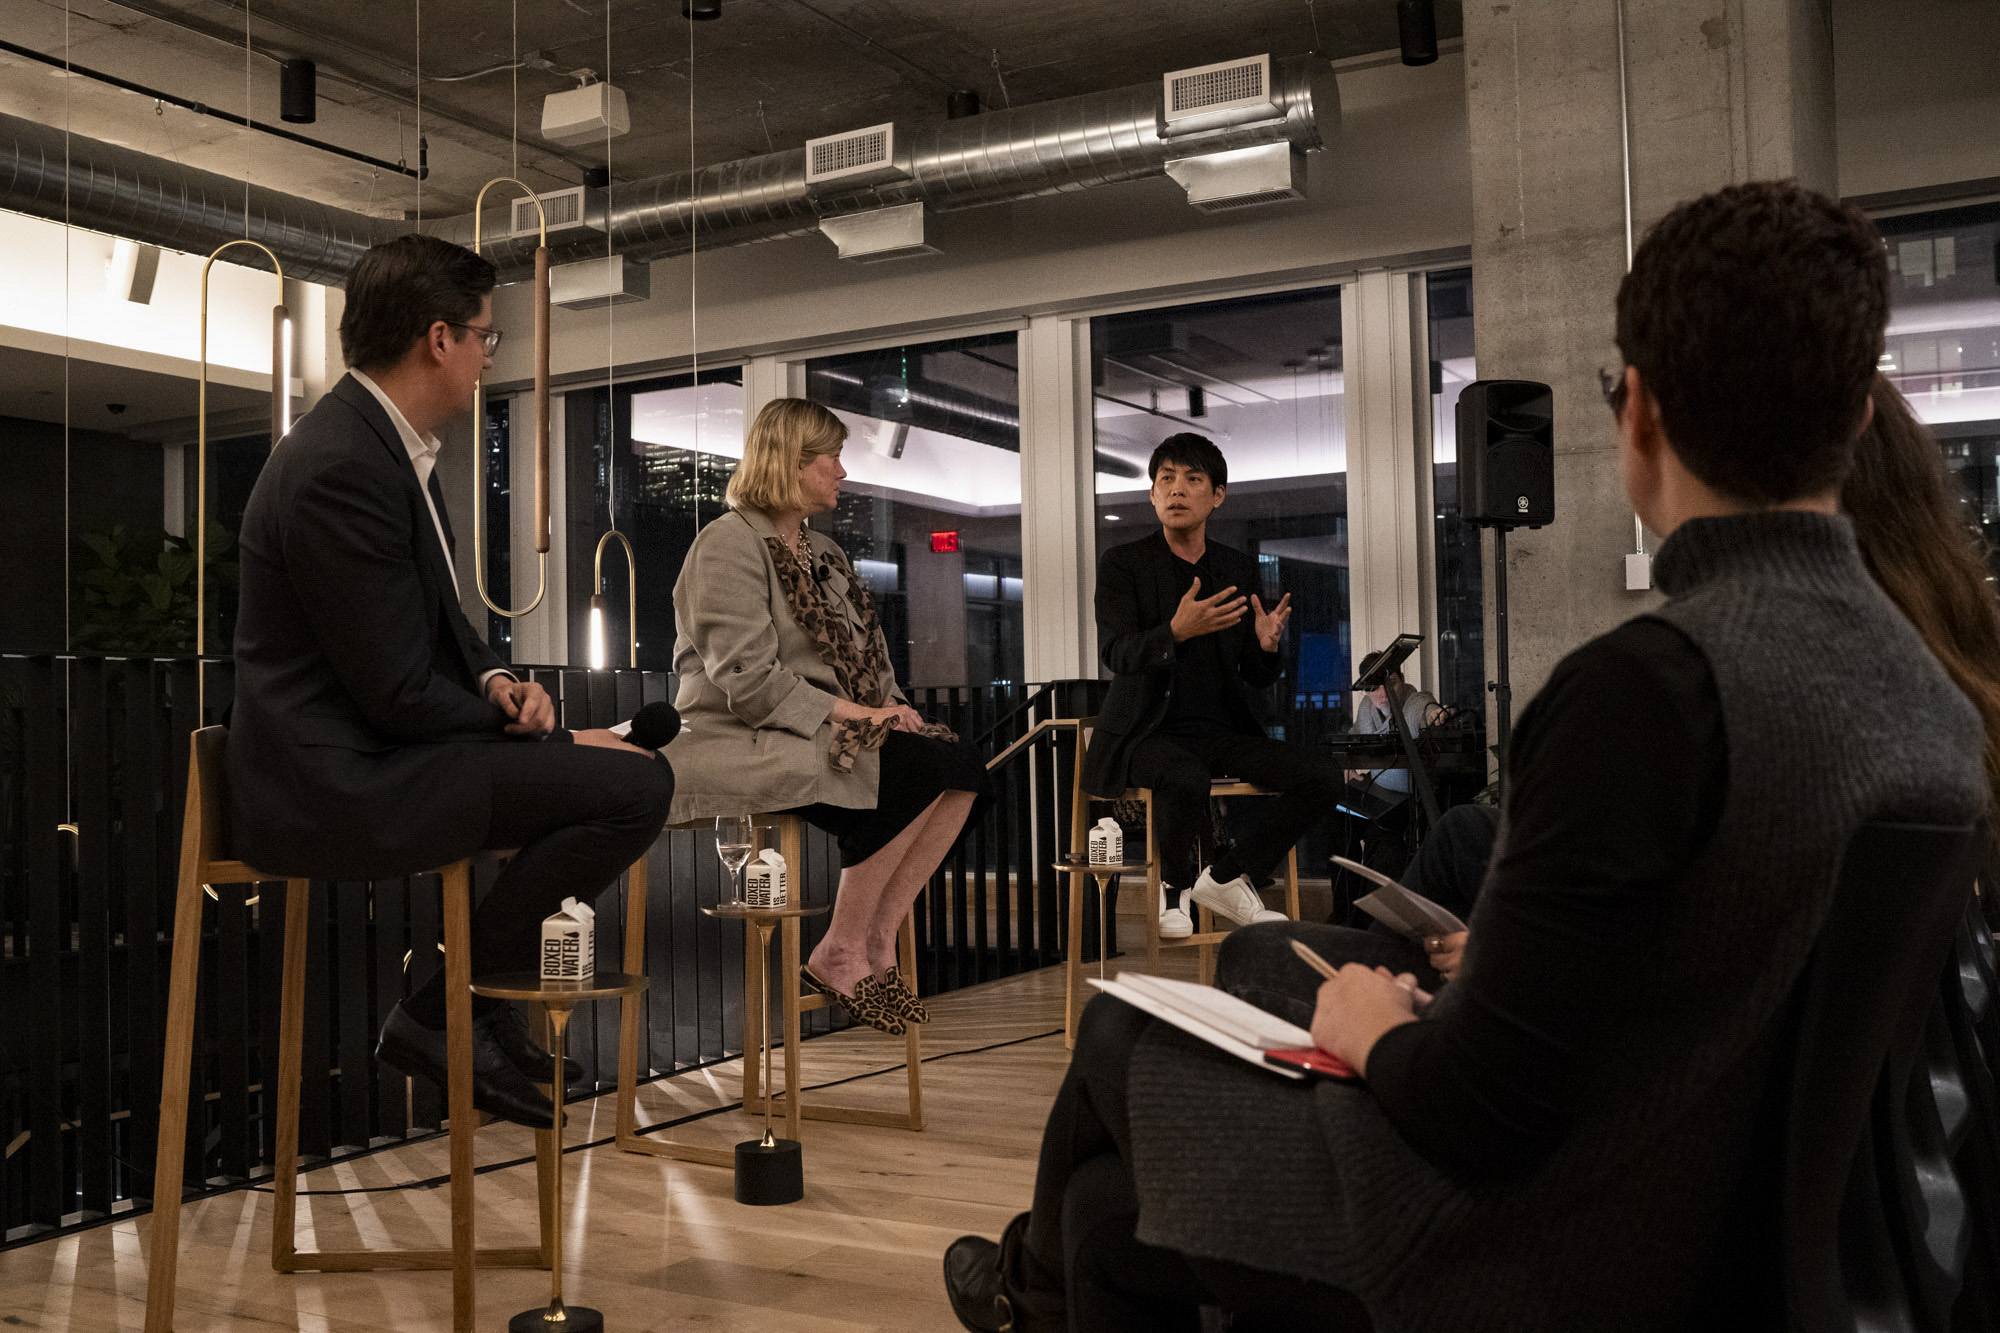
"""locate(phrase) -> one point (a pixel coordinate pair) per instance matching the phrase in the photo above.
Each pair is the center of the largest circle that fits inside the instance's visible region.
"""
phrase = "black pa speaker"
(1507, 454)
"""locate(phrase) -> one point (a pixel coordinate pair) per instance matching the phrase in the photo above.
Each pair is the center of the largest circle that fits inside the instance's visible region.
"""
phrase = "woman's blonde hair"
(787, 434)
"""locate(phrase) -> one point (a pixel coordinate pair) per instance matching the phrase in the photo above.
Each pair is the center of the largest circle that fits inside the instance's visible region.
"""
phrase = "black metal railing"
(93, 767)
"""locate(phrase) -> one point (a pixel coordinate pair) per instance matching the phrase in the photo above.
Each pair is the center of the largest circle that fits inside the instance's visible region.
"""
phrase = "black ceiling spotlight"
(701, 10)
(1417, 26)
(298, 92)
(1197, 401)
(963, 103)
(597, 178)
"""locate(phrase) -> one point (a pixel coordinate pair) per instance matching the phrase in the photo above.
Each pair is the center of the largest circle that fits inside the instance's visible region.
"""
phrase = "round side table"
(1103, 873)
(769, 1170)
(557, 998)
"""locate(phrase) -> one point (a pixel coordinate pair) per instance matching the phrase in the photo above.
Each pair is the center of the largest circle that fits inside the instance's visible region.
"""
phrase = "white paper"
(1217, 1017)
(1399, 909)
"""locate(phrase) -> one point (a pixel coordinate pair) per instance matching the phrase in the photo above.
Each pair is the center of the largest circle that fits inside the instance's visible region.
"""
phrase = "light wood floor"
(652, 1243)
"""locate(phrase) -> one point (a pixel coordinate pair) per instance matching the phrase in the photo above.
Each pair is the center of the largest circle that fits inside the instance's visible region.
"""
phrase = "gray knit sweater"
(1613, 1230)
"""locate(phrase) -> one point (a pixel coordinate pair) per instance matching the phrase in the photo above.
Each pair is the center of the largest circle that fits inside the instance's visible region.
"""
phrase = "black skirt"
(916, 770)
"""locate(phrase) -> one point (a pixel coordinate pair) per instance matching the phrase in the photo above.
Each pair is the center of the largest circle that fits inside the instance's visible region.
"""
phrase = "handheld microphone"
(655, 726)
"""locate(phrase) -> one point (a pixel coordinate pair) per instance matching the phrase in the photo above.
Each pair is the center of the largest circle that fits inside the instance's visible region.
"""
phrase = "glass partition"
(1943, 347)
(930, 512)
(1261, 377)
(1461, 621)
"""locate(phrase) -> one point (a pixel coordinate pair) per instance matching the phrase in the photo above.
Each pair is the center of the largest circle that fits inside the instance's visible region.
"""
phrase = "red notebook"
(1315, 1062)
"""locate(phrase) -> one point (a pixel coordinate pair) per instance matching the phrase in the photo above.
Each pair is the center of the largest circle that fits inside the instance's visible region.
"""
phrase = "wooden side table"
(557, 998)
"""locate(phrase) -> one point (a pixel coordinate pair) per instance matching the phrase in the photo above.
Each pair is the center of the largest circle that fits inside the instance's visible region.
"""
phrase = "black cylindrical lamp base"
(770, 1174)
(576, 1319)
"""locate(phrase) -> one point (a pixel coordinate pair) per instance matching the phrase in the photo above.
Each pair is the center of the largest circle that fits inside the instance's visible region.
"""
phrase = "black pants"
(1256, 963)
(1081, 1239)
(1178, 769)
(1451, 864)
(579, 815)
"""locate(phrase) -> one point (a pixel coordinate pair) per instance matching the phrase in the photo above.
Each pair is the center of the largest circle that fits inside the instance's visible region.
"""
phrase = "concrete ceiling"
(769, 73)
(144, 404)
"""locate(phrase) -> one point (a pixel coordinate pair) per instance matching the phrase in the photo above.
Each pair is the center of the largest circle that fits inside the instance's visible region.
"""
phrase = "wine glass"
(733, 834)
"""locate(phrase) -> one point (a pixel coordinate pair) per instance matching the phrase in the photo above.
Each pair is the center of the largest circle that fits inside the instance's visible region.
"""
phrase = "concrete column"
(765, 378)
(1387, 494)
(1058, 501)
(1720, 91)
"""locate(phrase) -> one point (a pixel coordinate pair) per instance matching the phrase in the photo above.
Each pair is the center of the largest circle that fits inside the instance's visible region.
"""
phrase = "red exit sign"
(943, 543)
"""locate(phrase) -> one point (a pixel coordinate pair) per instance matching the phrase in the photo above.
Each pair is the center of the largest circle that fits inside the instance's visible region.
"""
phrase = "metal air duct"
(1049, 148)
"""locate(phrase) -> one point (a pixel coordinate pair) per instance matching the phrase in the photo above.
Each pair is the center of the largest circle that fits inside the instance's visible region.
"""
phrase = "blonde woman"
(790, 704)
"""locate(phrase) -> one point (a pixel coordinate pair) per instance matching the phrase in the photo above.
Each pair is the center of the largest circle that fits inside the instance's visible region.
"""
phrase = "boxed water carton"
(765, 882)
(1107, 843)
(569, 943)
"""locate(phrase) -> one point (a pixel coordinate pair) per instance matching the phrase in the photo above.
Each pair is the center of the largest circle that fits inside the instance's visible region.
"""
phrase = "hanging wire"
(246, 116)
(694, 246)
(1001, 77)
(514, 133)
(420, 114)
(69, 692)
(610, 309)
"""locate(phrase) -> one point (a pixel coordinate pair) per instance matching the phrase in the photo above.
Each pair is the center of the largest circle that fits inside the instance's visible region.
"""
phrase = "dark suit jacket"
(1138, 587)
(357, 675)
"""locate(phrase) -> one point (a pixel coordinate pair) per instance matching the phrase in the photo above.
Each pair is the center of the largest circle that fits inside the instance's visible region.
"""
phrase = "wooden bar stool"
(205, 860)
(791, 842)
(1205, 937)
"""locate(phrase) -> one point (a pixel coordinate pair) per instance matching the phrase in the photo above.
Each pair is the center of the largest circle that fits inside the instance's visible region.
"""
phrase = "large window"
(1461, 624)
(1261, 377)
(930, 513)
(677, 444)
(1943, 348)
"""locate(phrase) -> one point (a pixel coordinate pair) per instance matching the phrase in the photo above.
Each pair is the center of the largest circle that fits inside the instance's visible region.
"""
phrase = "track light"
(1417, 26)
(298, 92)
(701, 10)
(963, 103)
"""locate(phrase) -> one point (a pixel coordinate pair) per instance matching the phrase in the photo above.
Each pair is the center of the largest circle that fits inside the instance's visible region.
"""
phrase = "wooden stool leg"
(291, 1032)
(913, 1038)
(1152, 888)
(629, 1008)
(788, 989)
(176, 1065)
(1073, 961)
(464, 1120)
(1292, 883)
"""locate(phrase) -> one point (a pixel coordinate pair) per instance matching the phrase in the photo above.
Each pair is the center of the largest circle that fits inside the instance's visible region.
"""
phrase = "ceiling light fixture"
(1417, 27)
(298, 92)
(701, 10)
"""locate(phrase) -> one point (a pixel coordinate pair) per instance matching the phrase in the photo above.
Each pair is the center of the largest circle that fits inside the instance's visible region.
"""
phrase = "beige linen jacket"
(755, 698)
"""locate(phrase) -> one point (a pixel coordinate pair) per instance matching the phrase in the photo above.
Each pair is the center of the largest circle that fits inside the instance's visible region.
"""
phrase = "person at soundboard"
(373, 734)
(1574, 1134)
(792, 706)
(1189, 643)
(1371, 718)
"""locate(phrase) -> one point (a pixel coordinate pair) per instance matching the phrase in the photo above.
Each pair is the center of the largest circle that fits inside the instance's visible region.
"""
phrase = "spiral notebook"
(1229, 1024)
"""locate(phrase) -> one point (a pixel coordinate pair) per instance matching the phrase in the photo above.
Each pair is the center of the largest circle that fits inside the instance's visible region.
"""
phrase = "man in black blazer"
(1188, 649)
(373, 733)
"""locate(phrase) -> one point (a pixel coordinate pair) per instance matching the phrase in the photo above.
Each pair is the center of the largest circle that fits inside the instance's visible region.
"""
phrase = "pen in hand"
(1318, 964)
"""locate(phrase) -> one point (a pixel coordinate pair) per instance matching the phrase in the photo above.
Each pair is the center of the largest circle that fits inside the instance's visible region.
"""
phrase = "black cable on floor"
(433, 1182)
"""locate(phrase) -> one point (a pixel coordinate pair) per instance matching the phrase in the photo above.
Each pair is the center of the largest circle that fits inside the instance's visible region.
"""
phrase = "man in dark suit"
(373, 733)
(1188, 649)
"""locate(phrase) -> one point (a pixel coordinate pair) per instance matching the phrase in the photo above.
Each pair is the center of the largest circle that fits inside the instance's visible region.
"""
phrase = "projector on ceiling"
(584, 115)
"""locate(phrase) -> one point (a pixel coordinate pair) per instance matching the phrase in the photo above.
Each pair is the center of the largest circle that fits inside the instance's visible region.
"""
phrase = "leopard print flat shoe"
(903, 999)
(867, 1006)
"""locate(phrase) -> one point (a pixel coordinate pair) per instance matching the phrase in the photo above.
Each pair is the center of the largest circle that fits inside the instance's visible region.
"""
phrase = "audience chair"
(1205, 937)
(1847, 1220)
(206, 861)
(791, 1104)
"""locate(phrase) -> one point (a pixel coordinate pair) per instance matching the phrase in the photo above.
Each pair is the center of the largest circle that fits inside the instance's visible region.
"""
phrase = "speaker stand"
(1503, 693)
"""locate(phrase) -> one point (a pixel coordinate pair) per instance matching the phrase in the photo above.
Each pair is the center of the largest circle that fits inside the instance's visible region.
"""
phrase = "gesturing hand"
(525, 702)
(1271, 624)
(1357, 1006)
(1197, 615)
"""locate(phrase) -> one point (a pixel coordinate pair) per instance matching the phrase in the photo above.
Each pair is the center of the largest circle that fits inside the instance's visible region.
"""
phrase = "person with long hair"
(1910, 521)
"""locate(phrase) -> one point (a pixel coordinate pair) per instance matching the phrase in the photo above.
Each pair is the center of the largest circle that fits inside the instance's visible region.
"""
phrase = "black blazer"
(1138, 587)
(357, 674)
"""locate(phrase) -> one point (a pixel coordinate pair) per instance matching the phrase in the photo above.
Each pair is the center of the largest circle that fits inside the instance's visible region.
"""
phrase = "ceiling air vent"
(1232, 93)
(1272, 173)
(858, 157)
(563, 207)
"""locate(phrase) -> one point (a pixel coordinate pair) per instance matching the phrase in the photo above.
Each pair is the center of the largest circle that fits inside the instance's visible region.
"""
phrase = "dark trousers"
(1451, 864)
(1178, 769)
(1081, 1237)
(1256, 963)
(579, 815)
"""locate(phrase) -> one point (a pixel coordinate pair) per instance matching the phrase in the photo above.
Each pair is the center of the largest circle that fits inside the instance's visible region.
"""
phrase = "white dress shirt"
(423, 451)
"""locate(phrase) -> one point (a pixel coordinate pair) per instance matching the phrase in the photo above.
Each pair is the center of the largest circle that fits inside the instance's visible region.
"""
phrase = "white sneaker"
(1234, 899)
(1175, 923)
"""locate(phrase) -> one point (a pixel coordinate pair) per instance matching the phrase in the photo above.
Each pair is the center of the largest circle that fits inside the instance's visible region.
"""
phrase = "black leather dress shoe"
(985, 1281)
(497, 1087)
(508, 1028)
